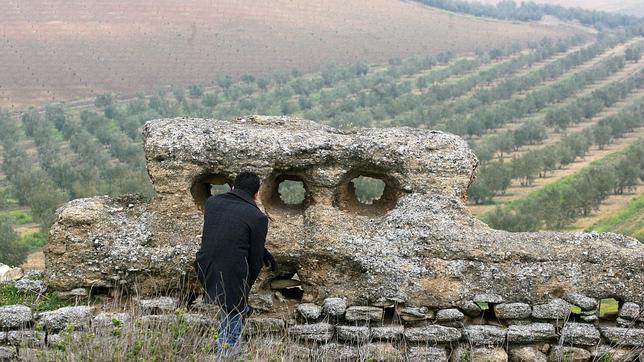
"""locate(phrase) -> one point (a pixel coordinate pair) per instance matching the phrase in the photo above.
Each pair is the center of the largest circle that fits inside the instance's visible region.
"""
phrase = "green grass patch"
(608, 306)
(9, 295)
(34, 240)
(629, 221)
(20, 217)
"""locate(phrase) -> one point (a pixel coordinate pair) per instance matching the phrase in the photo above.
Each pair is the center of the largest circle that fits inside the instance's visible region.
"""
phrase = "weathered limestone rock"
(582, 301)
(15, 316)
(387, 333)
(8, 353)
(262, 301)
(470, 308)
(383, 352)
(263, 326)
(570, 354)
(31, 285)
(106, 323)
(630, 311)
(8, 273)
(438, 354)
(335, 307)
(58, 319)
(26, 338)
(433, 333)
(417, 245)
(623, 336)
(319, 332)
(481, 354)
(335, 352)
(512, 311)
(449, 315)
(158, 305)
(580, 334)
(531, 333)
(361, 313)
(309, 311)
(488, 298)
(484, 335)
(525, 354)
(414, 314)
(616, 354)
(555, 309)
(353, 334)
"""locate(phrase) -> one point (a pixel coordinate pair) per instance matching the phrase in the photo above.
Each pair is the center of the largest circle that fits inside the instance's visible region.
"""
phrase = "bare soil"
(64, 49)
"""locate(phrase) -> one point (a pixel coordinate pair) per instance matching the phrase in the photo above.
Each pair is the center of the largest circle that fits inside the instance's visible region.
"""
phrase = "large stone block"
(484, 335)
(623, 336)
(56, 320)
(433, 333)
(580, 334)
(15, 316)
(353, 334)
(569, 354)
(360, 313)
(400, 249)
(512, 311)
(319, 332)
(531, 333)
(422, 353)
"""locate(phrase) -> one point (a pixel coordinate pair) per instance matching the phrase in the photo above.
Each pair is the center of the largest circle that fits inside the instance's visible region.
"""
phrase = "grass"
(629, 221)
(10, 295)
(34, 240)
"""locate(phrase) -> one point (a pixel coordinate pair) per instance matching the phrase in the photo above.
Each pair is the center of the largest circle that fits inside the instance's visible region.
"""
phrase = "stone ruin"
(415, 255)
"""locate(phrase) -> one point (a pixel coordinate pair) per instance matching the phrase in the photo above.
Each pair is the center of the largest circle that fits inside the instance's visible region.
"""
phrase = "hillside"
(62, 49)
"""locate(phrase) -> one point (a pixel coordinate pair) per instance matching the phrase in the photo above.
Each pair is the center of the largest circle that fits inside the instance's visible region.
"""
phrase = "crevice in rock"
(206, 185)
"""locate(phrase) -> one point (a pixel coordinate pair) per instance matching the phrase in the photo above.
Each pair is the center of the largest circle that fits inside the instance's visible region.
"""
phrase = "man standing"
(231, 255)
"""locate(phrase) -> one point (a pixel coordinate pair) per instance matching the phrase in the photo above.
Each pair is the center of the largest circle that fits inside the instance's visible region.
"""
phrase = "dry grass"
(62, 49)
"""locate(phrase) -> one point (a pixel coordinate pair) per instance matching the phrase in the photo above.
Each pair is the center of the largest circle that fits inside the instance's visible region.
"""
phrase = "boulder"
(353, 334)
(630, 311)
(531, 333)
(525, 354)
(15, 316)
(9, 274)
(449, 315)
(387, 333)
(569, 354)
(555, 309)
(400, 249)
(362, 313)
(432, 334)
(309, 311)
(422, 353)
(319, 332)
(623, 336)
(512, 311)
(579, 334)
(159, 305)
(484, 335)
(56, 320)
(335, 307)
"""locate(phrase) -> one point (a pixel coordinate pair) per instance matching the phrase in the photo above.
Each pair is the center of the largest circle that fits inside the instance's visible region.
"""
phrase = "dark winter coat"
(232, 248)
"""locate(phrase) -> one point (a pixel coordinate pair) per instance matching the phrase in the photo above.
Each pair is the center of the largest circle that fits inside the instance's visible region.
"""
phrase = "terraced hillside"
(536, 116)
(57, 50)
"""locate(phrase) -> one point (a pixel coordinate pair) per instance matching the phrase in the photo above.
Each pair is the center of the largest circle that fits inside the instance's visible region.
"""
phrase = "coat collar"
(244, 196)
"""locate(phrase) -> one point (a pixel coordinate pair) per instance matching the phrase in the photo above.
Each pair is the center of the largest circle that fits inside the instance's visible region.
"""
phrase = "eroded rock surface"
(418, 244)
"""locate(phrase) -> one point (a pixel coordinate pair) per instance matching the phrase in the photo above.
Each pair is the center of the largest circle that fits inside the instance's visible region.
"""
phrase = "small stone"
(582, 301)
(555, 309)
(524, 354)
(261, 302)
(31, 285)
(438, 354)
(626, 323)
(449, 315)
(470, 309)
(497, 354)
(263, 326)
(8, 353)
(335, 352)
(512, 311)
(319, 332)
(589, 318)
(488, 298)
(531, 333)
(414, 314)
(580, 334)
(353, 334)
(15, 316)
(335, 307)
(569, 354)
(630, 311)
(26, 338)
(158, 305)
(484, 335)
(9, 274)
(433, 333)
(309, 311)
(58, 319)
(392, 333)
(623, 336)
(381, 352)
(359, 313)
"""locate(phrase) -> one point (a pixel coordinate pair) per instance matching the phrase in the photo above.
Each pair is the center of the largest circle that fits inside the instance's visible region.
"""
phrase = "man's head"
(248, 182)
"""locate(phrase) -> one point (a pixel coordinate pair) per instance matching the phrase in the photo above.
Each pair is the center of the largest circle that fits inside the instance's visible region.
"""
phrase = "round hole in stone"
(367, 193)
(291, 192)
(368, 189)
(285, 192)
(206, 185)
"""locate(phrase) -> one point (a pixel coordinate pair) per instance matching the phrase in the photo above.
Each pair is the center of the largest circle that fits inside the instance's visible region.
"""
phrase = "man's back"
(232, 248)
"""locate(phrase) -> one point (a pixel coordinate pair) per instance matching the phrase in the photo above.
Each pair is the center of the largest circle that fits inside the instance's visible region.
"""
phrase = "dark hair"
(247, 181)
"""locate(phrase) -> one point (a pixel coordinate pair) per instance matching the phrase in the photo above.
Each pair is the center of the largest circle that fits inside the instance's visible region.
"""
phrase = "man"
(231, 255)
